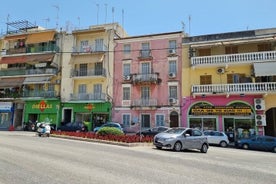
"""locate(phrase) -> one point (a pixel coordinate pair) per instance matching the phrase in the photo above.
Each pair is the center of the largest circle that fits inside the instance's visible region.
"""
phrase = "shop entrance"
(174, 119)
(67, 115)
(270, 128)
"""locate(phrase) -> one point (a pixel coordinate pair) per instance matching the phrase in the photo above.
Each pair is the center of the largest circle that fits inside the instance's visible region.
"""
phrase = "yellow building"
(229, 82)
(87, 84)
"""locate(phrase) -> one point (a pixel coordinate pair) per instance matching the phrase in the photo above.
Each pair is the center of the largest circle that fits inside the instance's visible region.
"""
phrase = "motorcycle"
(43, 129)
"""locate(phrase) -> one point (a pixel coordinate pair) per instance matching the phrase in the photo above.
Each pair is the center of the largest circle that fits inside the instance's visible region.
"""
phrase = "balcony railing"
(234, 58)
(144, 102)
(92, 72)
(44, 94)
(87, 96)
(145, 78)
(89, 49)
(28, 49)
(16, 72)
(145, 54)
(256, 88)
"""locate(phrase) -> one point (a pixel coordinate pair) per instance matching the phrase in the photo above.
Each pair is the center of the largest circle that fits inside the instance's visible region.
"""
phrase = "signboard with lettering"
(221, 110)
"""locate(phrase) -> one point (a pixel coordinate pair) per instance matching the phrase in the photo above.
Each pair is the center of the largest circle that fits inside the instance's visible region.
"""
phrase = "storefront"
(42, 111)
(236, 117)
(94, 114)
(6, 114)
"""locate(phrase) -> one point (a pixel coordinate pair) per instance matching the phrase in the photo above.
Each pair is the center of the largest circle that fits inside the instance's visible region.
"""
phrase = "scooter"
(43, 129)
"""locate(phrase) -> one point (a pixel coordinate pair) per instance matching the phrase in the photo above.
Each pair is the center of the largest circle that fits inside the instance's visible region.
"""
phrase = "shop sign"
(5, 106)
(42, 105)
(89, 107)
(221, 110)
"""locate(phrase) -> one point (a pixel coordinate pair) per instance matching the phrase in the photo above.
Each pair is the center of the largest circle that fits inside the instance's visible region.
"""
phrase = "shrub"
(109, 131)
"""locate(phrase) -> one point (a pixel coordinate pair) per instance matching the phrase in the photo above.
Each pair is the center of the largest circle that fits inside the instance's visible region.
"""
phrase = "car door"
(187, 139)
(198, 139)
(256, 143)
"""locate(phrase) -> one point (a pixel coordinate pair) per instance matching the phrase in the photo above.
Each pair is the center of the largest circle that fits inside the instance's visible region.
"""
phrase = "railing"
(87, 96)
(266, 87)
(144, 102)
(145, 78)
(28, 49)
(90, 49)
(45, 94)
(16, 72)
(92, 72)
(234, 58)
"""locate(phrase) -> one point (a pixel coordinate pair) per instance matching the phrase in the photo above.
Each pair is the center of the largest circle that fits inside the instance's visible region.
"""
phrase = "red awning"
(27, 59)
(11, 82)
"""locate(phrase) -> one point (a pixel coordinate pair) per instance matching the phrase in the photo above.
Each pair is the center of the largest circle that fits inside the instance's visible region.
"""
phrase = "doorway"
(174, 119)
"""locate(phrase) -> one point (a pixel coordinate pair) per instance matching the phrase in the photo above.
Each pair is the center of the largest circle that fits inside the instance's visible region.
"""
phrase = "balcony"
(28, 49)
(150, 78)
(145, 55)
(89, 49)
(233, 58)
(144, 103)
(44, 94)
(234, 89)
(88, 96)
(22, 72)
(88, 73)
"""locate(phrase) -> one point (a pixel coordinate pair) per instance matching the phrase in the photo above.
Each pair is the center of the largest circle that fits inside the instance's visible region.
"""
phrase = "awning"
(40, 37)
(28, 59)
(265, 69)
(36, 80)
(15, 37)
(11, 82)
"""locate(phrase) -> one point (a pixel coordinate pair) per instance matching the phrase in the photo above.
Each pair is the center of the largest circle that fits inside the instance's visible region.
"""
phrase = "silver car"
(181, 138)
(217, 138)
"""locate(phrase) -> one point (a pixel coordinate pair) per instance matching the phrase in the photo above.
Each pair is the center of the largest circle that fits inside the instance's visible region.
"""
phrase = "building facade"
(29, 75)
(229, 82)
(87, 83)
(147, 80)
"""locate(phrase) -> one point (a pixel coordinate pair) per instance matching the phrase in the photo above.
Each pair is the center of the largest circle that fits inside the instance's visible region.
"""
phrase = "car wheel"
(177, 146)
(245, 146)
(158, 147)
(204, 148)
(274, 149)
(223, 144)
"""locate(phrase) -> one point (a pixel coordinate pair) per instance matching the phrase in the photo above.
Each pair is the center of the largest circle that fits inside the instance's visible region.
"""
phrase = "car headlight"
(168, 139)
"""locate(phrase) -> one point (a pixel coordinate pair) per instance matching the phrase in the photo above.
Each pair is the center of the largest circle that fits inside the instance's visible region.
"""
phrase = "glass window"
(160, 120)
(83, 45)
(98, 68)
(145, 52)
(97, 91)
(172, 44)
(145, 120)
(145, 68)
(145, 92)
(83, 69)
(205, 79)
(126, 120)
(173, 92)
(126, 69)
(196, 133)
(172, 67)
(99, 45)
(127, 48)
(203, 123)
(126, 93)
(82, 88)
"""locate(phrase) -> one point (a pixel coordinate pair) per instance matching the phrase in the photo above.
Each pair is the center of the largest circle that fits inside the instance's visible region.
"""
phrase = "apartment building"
(29, 77)
(87, 74)
(229, 82)
(147, 81)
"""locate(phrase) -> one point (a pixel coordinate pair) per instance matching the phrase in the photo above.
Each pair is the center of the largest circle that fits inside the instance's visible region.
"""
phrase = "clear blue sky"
(140, 17)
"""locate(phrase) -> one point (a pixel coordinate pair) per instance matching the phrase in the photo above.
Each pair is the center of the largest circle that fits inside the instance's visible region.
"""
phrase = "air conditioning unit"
(220, 70)
(172, 100)
(127, 77)
(259, 104)
(172, 75)
(172, 51)
(260, 120)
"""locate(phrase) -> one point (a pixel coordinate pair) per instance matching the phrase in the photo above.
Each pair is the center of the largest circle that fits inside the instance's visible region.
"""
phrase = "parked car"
(152, 131)
(180, 138)
(109, 124)
(217, 138)
(73, 127)
(263, 143)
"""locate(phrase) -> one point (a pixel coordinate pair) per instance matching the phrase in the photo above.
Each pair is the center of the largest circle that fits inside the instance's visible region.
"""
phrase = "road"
(26, 158)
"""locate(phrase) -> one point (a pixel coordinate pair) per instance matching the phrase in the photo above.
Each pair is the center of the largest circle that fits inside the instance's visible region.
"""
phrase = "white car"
(217, 138)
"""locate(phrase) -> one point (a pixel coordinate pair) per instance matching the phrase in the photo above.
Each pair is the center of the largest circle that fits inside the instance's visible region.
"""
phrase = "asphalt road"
(26, 158)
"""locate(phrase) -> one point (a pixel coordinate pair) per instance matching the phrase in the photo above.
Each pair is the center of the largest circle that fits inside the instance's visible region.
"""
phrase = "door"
(145, 120)
(67, 115)
(174, 119)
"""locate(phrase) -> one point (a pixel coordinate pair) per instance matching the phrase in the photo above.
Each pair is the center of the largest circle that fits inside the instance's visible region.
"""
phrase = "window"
(97, 91)
(127, 48)
(205, 79)
(203, 123)
(83, 45)
(237, 78)
(145, 68)
(160, 120)
(145, 52)
(99, 68)
(204, 52)
(172, 67)
(145, 92)
(126, 69)
(126, 120)
(231, 50)
(145, 120)
(83, 69)
(197, 133)
(172, 44)
(51, 87)
(173, 92)
(126, 93)
(99, 45)
(264, 47)
(82, 88)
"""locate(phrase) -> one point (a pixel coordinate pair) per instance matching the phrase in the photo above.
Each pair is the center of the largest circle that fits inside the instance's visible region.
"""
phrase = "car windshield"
(175, 130)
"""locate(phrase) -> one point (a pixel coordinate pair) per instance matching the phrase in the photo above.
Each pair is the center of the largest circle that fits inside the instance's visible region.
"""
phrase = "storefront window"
(203, 123)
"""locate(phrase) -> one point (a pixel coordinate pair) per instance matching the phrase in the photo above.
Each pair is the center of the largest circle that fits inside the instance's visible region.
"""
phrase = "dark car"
(73, 127)
(263, 143)
(152, 131)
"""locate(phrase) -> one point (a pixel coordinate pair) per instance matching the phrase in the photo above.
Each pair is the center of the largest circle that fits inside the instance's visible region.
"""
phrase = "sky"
(141, 17)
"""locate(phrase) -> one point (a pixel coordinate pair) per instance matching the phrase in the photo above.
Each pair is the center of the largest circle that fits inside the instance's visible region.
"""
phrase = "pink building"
(147, 80)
